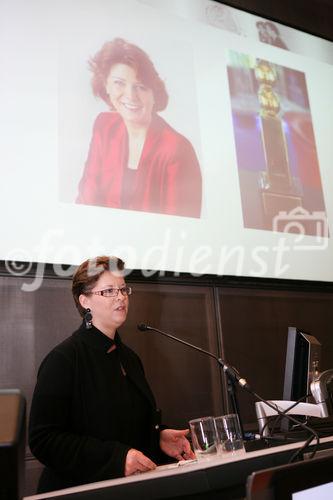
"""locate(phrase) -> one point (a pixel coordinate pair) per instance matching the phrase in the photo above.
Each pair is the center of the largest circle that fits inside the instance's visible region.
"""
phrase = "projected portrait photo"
(222, 16)
(268, 32)
(136, 160)
(279, 174)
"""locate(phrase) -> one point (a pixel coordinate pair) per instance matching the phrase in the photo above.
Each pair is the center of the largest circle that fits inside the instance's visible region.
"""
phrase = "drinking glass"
(204, 438)
(229, 434)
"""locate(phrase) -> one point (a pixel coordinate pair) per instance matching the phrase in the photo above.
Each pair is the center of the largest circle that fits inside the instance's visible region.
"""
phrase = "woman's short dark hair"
(118, 51)
(88, 273)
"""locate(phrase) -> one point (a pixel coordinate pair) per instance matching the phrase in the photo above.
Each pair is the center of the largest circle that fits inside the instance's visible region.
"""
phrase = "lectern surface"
(206, 478)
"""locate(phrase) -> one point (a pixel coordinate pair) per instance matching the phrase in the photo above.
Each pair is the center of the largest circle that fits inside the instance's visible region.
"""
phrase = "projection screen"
(209, 151)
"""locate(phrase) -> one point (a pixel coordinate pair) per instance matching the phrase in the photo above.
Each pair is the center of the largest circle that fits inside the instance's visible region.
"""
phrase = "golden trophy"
(278, 188)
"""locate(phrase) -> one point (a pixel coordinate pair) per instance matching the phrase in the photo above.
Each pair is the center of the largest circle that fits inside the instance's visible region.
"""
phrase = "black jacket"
(86, 414)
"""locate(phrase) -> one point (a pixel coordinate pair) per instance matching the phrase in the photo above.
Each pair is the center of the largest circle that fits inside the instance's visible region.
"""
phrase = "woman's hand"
(137, 462)
(175, 444)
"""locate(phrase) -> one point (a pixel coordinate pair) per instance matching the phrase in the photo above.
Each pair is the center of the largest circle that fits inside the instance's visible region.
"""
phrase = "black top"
(90, 406)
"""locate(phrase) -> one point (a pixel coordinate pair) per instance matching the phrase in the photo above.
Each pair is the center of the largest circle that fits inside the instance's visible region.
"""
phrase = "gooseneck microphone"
(229, 370)
(236, 377)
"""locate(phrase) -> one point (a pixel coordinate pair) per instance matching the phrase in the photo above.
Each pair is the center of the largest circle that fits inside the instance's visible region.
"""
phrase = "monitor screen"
(302, 365)
(324, 492)
(302, 480)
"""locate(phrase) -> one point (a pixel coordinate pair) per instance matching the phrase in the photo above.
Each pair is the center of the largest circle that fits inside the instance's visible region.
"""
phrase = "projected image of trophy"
(278, 187)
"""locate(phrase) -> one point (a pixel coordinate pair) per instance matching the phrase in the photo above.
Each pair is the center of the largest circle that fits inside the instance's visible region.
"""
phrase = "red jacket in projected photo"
(167, 180)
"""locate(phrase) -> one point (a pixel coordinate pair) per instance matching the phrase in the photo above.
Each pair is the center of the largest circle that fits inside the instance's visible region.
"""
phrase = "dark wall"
(254, 332)
(313, 16)
(244, 320)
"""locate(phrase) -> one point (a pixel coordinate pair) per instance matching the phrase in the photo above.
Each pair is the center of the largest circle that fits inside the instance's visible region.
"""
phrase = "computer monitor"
(12, 444)
(307, 480)
(301, 366)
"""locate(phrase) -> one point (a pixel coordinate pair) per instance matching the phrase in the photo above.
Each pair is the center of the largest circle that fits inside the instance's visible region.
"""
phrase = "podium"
(220, 477)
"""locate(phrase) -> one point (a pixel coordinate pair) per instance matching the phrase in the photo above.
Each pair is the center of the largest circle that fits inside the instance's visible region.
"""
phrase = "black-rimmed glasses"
(113, 292)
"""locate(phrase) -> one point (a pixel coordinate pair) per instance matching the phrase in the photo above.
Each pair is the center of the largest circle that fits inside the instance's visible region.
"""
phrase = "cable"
(313, 433)
(280, 416)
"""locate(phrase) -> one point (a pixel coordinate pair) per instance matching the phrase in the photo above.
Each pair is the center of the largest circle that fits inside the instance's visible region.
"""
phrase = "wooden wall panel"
(254, 333)
(16, 336)
(186, 383)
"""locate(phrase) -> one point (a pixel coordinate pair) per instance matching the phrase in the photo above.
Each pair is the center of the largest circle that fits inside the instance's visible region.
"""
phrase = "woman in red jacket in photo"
(136, 161)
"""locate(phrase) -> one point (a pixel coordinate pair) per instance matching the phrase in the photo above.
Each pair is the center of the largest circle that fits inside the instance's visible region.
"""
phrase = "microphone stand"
(232, 393)
(234, 377)
(231, 373)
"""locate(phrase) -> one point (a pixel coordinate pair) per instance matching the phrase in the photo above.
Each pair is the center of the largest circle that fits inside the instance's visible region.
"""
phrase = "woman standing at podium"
(93, 415)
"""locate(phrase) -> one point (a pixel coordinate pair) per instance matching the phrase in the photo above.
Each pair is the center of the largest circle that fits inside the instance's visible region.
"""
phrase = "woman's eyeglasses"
(113, 292)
